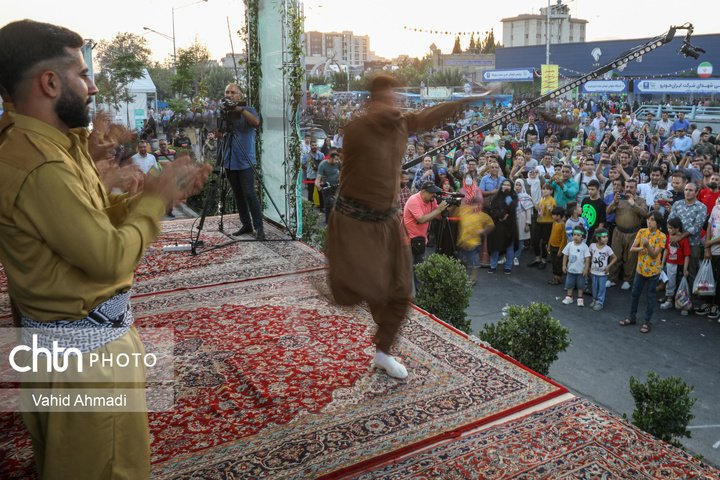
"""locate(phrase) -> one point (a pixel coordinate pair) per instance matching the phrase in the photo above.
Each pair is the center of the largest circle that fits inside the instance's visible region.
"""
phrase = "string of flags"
(441, 32)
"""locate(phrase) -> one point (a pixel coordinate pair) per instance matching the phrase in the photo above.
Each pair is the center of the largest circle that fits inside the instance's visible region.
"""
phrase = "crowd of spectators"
(636, 193)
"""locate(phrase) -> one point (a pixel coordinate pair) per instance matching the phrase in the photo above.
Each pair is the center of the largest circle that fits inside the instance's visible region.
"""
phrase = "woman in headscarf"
(525, 206)
(503, 208)
(474, 224)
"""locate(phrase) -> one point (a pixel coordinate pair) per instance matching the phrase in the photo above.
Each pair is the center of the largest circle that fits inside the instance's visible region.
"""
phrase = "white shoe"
(567, 301)
(580, 302)
(666, 305)
(516, 262)
(391, 366)
(609, 284)
(625, 286)
(501, 261)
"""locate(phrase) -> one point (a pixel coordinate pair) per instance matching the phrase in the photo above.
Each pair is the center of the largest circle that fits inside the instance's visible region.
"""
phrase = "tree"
(191, 68)
(489, 44)
(457, 48)
(123, 43)
(339, 80)
(122, 61)
(161, 75)
(472, 42)
(216, 80)
(447, 78)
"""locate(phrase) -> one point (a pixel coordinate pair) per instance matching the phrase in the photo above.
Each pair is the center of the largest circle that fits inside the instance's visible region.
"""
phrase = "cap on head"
(430, 187)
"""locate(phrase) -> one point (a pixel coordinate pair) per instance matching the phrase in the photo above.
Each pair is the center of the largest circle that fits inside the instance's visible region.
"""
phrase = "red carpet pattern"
(574, 440)
(162, 271)
(273, 381)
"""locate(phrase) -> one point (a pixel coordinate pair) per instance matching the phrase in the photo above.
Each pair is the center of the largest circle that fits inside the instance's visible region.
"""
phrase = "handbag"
(704, 281)
(417, 245)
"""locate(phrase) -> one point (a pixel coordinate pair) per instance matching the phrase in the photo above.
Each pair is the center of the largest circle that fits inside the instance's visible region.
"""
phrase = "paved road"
(604, 355)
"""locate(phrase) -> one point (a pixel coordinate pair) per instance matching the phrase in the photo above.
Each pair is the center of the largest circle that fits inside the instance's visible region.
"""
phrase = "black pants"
(242, 183)
(311, 193)
(556, 259)
(328, 196)
(541, 239)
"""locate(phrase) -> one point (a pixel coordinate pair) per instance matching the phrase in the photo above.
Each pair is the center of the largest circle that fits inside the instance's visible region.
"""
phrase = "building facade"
(531, 29)
(345, 46)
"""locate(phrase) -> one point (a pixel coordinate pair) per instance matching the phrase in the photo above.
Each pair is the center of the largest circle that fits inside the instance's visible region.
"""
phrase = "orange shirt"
(558, 238)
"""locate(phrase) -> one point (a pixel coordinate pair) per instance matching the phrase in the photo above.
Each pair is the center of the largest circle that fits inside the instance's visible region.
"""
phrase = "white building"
(531, 29)
(354, 49)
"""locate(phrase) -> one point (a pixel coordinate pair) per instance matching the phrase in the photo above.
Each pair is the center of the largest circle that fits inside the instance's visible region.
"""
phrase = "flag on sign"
(704, 70)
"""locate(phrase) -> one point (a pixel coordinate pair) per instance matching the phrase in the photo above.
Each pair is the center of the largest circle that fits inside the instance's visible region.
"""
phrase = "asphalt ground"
(604, 355)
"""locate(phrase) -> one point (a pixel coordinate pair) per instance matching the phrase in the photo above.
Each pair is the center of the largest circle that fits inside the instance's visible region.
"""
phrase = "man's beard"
(70, 109)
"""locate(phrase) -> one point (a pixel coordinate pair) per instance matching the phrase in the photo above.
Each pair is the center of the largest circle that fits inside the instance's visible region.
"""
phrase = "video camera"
(227, 109)
(452, 199)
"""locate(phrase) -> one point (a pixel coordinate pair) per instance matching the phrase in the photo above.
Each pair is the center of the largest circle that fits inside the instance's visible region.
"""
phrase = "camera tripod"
(444, 230)
(219, 176)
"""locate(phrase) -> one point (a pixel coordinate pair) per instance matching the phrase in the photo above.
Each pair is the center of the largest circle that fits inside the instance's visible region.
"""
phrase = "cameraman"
(328, 180)
(237, 160)
(420, 209)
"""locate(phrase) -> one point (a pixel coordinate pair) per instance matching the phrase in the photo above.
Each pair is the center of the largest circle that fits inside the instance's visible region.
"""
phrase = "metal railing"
(690, 112)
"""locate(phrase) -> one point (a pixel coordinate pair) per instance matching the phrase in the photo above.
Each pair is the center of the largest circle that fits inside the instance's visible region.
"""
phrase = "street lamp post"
(173, 29)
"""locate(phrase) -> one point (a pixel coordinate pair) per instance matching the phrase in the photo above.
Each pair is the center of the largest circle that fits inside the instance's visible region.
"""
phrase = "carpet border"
(455, 433)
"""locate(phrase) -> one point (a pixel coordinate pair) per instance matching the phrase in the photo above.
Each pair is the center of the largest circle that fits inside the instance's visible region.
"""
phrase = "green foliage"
(361, 84)
(191, 68)
(216, 79)
(339, 81)
(197, 202)
(295, 72)
(662, 407)
(489, 43)
(457, 48)
(316, 79)
(253, 71)
(529, 335)
(123, 44)
(472, 41)
(161, 76)
(313, 234)
(445, 291)
(447, 78)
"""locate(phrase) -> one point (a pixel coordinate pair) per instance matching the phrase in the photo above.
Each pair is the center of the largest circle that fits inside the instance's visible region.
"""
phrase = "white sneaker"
(592, 304)
(567, 301)
(501, 261)
(598, 307)
(391, 366)
(666, 305)
(581, 302)
(609, 284)
(625, 286)
(516, 262)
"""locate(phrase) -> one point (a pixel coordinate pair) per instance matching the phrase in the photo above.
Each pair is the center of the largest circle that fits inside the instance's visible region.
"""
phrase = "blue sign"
(512, 75)
(689, 85)
(605, 86)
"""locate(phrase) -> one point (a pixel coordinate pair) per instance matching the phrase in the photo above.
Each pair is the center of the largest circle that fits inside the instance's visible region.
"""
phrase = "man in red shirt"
(420, 209)
(708, 196)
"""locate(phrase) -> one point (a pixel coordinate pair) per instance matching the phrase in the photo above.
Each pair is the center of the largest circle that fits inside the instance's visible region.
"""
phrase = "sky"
(382, 20)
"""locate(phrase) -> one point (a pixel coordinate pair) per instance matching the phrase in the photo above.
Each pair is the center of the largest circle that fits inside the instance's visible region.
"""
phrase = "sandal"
(555, 281)
(626, 322)
(645, 328)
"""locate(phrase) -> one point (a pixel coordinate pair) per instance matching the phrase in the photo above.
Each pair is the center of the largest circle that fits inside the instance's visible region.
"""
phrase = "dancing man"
(364, 244)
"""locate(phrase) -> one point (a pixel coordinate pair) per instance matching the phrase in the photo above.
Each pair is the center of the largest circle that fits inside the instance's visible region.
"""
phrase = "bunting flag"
(445, 32)
(451, 154)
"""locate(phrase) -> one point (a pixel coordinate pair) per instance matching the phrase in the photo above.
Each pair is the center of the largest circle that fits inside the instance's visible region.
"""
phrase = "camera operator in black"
(237, 162)
(328, 180)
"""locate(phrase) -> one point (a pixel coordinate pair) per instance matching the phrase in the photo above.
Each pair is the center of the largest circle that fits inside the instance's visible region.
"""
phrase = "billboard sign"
(511, 75)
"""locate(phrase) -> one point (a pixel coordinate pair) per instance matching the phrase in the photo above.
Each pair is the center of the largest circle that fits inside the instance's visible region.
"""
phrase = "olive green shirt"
(66, 245)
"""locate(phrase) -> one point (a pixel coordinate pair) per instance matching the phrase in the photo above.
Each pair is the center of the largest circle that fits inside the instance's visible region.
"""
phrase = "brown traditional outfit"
(364, 241)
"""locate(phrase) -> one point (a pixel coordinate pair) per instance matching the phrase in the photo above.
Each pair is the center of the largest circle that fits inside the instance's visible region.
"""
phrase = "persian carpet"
(573, 440)
(274, 381)
(162, 271)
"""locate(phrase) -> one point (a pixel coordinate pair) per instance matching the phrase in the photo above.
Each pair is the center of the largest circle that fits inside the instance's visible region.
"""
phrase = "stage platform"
(274, 381)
